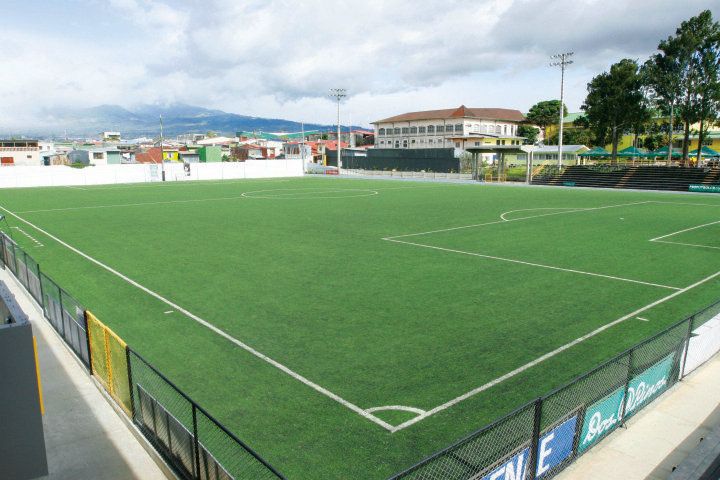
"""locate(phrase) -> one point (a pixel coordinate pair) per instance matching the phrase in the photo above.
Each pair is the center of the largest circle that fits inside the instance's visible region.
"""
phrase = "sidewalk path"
(84, 435)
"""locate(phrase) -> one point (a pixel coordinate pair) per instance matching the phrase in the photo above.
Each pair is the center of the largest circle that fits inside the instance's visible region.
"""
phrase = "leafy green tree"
(545, 113)
(616, 102)
(529, 132)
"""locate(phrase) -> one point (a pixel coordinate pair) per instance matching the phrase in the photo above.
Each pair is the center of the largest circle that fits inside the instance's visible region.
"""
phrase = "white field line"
(362, 412)
(548, 355)
(687, 203)
(33, 239)
(514, 220)
(401, 408)
(243, 195)
(502, 216)
(685, 230)
(124, 186)
(642, 319)
(521, 262)
(688, 244)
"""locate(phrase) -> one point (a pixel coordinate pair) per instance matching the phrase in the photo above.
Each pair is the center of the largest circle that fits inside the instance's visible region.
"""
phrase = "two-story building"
(20, 152)
(458, 128)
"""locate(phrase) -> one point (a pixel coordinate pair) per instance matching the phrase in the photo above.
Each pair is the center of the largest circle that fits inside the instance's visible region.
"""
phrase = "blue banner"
(554, 447)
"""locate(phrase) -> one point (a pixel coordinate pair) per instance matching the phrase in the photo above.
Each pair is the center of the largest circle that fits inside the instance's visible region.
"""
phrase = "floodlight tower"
(562, 60)
(338, 94)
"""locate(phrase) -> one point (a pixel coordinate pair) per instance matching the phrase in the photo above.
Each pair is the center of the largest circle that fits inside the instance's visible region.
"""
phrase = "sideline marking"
(360, 411)
(314, 193)
(522, 262)
(548, 355)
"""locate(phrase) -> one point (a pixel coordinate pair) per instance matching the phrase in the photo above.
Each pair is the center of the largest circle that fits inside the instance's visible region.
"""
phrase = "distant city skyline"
(279, 59)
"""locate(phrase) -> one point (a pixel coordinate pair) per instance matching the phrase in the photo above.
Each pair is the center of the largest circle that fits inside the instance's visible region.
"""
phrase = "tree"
(545, 113)
(211, 134)
(616, 102)
(530, 133)
(696, 41)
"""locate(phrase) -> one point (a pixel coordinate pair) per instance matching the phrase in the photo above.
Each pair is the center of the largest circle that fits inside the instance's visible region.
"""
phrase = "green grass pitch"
(345, 297)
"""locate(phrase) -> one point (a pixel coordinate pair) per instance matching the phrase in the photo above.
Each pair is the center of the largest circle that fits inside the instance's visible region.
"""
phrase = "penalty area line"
(360, 411)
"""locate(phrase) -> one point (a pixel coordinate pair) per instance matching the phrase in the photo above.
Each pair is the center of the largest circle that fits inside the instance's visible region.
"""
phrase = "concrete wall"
(60, 175)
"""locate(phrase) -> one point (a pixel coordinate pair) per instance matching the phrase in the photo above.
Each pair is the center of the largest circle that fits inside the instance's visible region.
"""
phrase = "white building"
(20, 152)
(458, 128)
(110, 136)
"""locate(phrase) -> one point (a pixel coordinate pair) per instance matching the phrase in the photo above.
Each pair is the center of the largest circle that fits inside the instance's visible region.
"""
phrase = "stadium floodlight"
(338, 94)
(562, 61)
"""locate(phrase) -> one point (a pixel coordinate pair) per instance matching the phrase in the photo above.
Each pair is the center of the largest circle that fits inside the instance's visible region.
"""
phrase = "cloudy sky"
(278, 58)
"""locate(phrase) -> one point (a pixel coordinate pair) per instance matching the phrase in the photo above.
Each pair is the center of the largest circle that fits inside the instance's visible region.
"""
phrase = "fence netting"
(109, 361)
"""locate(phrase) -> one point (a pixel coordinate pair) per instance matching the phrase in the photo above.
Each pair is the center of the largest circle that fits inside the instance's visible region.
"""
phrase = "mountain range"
(143, 121)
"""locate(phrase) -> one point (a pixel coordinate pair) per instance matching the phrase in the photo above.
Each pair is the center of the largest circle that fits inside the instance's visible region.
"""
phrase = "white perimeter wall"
(60, 175)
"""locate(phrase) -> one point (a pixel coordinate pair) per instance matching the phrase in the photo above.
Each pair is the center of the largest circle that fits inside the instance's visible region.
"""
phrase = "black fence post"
(532, 459)
(62, 312)
(197, 441)
(691, 324)
(42, 291)
(2, 249)
(17, 269)
(130, 379)
(87, 339)
(627, 387)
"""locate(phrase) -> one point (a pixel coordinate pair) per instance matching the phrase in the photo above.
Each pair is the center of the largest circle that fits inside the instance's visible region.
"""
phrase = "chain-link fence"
(196, 445)
(540, 439)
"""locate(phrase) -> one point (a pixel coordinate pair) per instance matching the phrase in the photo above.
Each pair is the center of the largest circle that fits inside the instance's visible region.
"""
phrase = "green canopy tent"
(705, 152)
(663, 153)
(633, 152)
(596, 152)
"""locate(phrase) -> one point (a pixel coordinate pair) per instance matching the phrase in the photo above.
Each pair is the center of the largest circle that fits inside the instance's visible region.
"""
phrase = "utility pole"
(162, 163)
(562, 61)
(338, 94)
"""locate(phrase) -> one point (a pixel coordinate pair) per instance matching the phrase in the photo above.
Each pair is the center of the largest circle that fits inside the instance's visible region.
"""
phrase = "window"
(382, 142)
(497, 142)
(431, 141)
(421, 129)
(440, 129)
(431, 129)
(405, 143)
(397, 131)
(457, 144)
(405, 130)
(412, 141)
(381, 132)
(505, 129)
(459, 127)
(414, 130)
(503, 142)
(96, 156)
(477, 144)
(497, 129)
(397, 143)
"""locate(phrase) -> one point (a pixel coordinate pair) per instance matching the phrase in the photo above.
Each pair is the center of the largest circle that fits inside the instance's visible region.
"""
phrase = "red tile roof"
(152, 155)
(461, 112)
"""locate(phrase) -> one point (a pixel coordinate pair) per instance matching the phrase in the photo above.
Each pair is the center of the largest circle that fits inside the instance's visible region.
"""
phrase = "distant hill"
(141, 121)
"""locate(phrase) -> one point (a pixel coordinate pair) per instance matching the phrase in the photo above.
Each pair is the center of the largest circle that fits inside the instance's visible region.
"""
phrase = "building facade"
(20, 152)
(458, 128)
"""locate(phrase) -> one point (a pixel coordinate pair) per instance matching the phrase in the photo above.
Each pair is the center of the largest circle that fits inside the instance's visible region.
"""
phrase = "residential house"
(20, 152)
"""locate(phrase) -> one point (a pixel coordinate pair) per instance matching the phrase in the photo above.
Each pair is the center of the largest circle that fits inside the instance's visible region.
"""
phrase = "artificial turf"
(319, 275)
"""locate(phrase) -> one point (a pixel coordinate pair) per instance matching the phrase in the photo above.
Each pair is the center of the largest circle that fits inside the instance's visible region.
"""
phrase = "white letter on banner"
(544, 453)
(519, 472)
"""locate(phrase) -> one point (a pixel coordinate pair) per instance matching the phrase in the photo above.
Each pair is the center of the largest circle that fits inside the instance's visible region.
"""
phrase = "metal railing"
(192, 442)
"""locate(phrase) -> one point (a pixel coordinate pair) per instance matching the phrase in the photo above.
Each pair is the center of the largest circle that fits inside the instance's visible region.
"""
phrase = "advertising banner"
(554, 447)
(601, 418)
(648, 385)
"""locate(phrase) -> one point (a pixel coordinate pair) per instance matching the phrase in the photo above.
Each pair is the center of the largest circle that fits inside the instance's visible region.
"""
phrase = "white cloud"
(278, 58)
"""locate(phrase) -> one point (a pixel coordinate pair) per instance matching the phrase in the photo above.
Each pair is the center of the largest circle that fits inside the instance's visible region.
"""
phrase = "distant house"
(210, 154)
(20, 152)
(95, 156)
(189, 156)
(248, 152)
(110, 136)
(151, 155)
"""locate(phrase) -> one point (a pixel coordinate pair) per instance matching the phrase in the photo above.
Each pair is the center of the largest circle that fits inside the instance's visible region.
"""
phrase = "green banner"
(601, 418)
(705, 188)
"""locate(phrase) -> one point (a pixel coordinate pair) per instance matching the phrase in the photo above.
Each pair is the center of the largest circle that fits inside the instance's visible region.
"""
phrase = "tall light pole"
(338, 94)
(562, 61)
(162, 163)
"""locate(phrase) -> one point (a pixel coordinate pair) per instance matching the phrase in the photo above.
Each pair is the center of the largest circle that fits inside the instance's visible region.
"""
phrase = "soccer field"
(347, 328)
